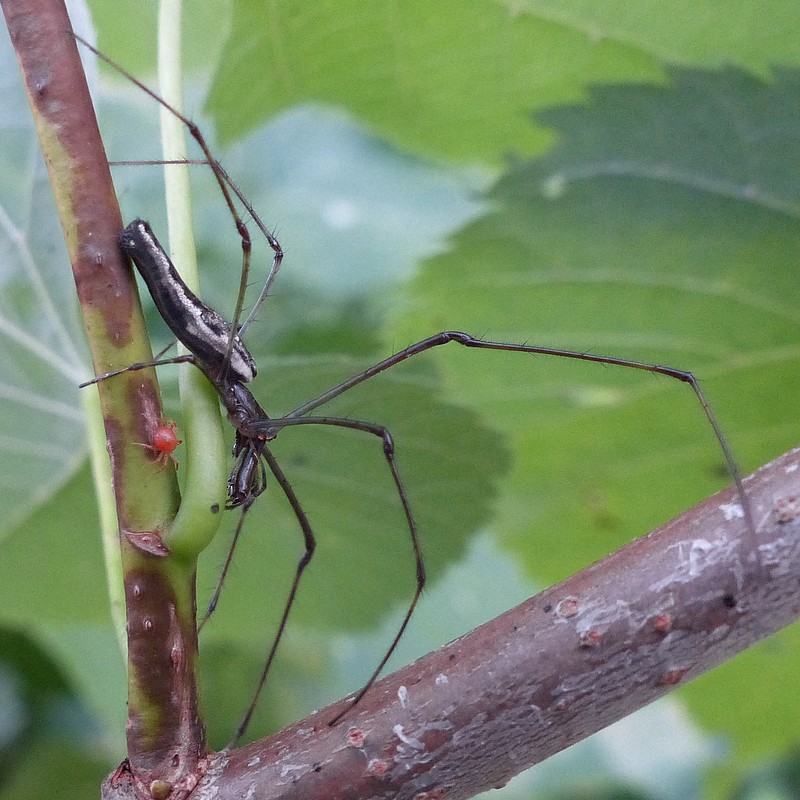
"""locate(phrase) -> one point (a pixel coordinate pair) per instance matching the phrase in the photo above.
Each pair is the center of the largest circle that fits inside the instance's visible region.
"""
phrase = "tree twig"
(165, 735)
(564, 664)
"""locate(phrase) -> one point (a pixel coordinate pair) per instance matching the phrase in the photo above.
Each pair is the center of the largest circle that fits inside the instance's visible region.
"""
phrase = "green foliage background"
(605, 177)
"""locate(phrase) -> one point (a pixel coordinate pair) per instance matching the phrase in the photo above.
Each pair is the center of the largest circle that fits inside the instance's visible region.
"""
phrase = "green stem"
(109, 529)
(205, 458)
(165, 735)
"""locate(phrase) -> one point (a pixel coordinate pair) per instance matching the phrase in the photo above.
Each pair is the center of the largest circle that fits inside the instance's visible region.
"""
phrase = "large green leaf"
(709, 33)
(458, 78)
(662, 227)
(454, 79)
(652, 232)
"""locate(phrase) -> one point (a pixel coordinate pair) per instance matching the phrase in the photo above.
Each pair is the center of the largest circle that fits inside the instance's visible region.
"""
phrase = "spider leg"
(185, 359)
(273, 425)
(310, 545)
(464, 339)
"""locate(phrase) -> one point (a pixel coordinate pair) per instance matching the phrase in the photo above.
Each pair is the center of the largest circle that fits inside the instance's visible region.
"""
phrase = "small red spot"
(165, 440)
(568, 607)
(377, 767)
(672, 677)
(591, 638)
(355, 737)
(662, 623)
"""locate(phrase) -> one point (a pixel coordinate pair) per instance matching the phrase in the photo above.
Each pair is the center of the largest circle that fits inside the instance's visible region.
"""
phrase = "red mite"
(165, 440)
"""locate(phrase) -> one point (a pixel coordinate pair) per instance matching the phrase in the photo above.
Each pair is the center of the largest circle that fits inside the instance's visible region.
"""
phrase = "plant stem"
(166, 740)
(205, 457)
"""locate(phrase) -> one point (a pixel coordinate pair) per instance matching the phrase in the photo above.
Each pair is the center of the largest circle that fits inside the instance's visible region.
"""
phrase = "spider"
(216, 347)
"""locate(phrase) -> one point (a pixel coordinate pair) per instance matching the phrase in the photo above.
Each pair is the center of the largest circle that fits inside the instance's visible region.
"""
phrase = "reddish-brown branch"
(165, 736)
(557, 668)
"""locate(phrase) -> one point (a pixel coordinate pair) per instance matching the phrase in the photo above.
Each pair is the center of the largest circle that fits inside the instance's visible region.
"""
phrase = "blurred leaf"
(779, 779)
(42, 341)
(755, 723)
(56, 744)
(56, 768)
(454, 79)
(657, 253)
(662, 227)
(134, 42)
(458, 79)
(60, 561)
(712, 33)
